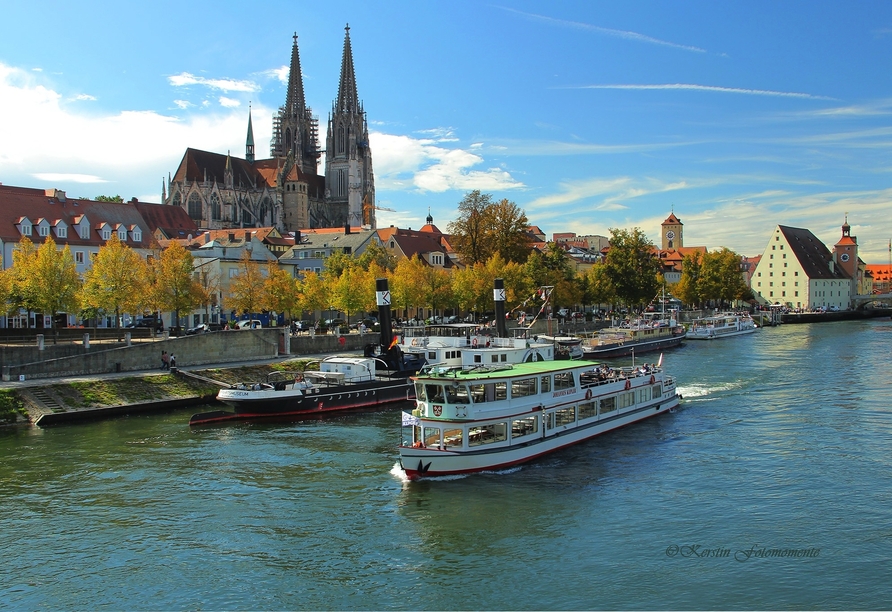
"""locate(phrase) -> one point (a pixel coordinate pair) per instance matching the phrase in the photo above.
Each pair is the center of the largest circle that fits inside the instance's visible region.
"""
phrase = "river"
(770, 487)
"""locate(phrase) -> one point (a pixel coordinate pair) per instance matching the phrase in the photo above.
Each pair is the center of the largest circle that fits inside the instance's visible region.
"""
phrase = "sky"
(589, 115)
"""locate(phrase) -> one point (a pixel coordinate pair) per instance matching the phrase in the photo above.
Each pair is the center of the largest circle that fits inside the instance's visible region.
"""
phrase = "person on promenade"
(173, 361)
(165, 360)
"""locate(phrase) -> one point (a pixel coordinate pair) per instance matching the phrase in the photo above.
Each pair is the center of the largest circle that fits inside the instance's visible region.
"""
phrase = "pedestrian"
(165, 361)
(173, 361)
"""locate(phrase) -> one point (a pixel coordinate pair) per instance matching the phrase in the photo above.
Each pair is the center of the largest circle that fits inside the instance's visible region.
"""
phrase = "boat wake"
(698, 392)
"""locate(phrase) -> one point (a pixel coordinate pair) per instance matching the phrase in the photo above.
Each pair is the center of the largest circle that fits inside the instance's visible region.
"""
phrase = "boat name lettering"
(564, 392)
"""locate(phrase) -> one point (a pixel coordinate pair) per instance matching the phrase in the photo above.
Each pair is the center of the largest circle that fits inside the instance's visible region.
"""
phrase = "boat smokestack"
(382, 296)
(498, 295)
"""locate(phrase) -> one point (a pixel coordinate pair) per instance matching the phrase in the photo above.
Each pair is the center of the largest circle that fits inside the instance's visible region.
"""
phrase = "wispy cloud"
(51, 177)
(184, 78)
(182, 104)
(710, 88)
(84, 97)
(281, 73)
(624, 34)
(229, 102)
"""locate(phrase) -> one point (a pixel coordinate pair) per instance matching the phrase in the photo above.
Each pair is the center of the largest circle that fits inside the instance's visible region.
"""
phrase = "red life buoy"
(628, 384)
(588, 394)
(652, 379)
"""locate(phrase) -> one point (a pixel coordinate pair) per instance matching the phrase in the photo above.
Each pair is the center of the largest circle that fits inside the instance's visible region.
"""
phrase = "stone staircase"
(44, 400)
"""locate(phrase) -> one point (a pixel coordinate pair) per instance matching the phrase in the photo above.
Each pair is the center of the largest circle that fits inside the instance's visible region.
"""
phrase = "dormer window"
(137, 235)
(122, 234)
(24, 225)
(61, 230)
(106, 233)
(43, 230)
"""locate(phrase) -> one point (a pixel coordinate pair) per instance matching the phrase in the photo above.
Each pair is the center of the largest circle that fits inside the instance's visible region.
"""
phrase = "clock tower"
(671, 232)
(845, 252)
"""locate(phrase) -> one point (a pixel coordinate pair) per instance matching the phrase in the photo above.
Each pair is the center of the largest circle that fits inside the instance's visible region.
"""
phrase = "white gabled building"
(799, 271)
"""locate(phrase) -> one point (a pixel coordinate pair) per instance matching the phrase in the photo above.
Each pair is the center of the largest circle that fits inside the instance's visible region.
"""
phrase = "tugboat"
(381, 376)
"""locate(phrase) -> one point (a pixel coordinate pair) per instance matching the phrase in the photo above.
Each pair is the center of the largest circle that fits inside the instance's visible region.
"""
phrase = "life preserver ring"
(652, 379)
(474, 342)
(588, 394)
(628, 385)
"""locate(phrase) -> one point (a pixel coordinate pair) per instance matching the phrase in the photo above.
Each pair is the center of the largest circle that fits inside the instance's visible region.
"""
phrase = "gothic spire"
(348, 101)
(294, 101)
(249, 143)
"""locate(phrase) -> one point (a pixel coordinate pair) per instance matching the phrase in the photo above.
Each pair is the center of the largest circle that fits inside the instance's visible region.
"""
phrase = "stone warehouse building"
(286, 191)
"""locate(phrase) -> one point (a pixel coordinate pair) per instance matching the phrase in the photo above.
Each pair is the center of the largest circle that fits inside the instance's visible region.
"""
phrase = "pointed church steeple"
(249, 143)
(348, 101)
(295, 130)
(349, 179)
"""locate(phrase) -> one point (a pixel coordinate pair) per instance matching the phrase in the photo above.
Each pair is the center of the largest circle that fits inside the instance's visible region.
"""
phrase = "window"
(215, 207)
(122, 234)
(62, 231)
(194, 206)
(233, 272)
(588, 410)
(44, 230)
(526, 426)
(137, 236)
(85, 232)
(106, 234)
(563, 380)
(608, 404)
(565, 416)
(487, 434)
(546, 384)
(79, 258)
(26, 229)
(523, 388)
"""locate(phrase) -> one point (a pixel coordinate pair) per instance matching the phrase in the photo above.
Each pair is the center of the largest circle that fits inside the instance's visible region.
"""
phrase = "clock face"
(844, 257)
(670, 234)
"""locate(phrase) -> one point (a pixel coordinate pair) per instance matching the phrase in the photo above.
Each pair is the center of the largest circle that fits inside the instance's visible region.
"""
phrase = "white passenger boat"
(722, 326)
(464, 344)
(485, 418)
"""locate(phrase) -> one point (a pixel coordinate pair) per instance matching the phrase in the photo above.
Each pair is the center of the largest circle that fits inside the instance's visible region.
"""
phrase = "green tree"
(313, 293)
(633, 267)
(377, 255)
(687, 289)
(407, 284)
(116, 281)
(105, 198)
(600, 287)
(54, 280)
(508, 225)
(552, 269)
(470, 232)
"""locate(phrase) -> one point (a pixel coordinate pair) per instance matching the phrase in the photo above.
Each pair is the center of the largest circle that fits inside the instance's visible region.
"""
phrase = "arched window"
(340, 140)
(288, 139)
(215, 207)
(194, 206)
(266, 212)
(177, 201)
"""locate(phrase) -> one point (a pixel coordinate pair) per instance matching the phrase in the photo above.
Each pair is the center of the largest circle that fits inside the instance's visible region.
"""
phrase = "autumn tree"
(687, 289)
(377, 255)
(633, 266)
(21, 288)
(484, 227)
(313, 293)
(54, 280)
(116, 280)
(552, 268)
(175, 287)
(406, 288)
(280, 290)
(508, 227)
(246, 290)
(600, 288)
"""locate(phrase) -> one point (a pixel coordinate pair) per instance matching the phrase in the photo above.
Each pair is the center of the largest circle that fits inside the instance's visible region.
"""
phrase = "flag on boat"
(396, 340)
(660, 362)
(410, 419)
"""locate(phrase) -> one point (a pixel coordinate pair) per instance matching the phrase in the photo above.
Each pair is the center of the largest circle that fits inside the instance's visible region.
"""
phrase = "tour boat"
(342, 383)
(652, 332)
(488, 418)
(722, 326)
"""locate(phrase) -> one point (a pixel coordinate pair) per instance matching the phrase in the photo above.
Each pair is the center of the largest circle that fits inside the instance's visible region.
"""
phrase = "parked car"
(198, 329)
(249, 324)
(149, 322)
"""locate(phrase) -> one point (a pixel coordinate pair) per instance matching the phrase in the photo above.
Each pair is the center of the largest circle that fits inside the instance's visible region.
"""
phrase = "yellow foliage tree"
(116, 282)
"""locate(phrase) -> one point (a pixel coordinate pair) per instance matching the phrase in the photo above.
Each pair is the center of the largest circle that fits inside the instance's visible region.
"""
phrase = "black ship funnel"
(382, 297)
(498, 294)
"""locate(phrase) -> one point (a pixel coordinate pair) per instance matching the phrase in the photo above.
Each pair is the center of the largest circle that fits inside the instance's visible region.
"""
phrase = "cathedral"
(286, 191)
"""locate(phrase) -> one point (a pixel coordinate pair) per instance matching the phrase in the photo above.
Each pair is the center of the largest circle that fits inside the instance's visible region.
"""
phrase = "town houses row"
(796, 269)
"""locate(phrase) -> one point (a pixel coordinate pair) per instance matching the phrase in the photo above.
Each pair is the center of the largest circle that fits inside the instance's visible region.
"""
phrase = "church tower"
(672, 232)
(845, 254)
(349, 180)
(295, 130)
(249, 141)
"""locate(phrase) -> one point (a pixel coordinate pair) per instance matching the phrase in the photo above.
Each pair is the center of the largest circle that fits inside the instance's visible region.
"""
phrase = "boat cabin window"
(419, 392)
(431, 436)
(644, 394)
(657, 390)
(478, 393)
(501, 390)
(457, 394)
(526, 426)
(608, 404)
(487, 434)
(546, 384)
(523, 387)
(587, 410)
(500, 357)
(434, 393)
(565, 416)
(549, 421)
(453, 438)
(625, 400)
(563, 380)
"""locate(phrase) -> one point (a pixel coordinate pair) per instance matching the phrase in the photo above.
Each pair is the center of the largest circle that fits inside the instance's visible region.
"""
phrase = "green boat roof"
(488, 371)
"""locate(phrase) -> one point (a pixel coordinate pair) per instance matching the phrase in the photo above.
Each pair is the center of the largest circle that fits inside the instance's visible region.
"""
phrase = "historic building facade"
(286, 190)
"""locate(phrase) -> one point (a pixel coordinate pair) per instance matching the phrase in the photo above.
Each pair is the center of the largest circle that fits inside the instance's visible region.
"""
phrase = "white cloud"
(182, 104)
(281, 73)
(86, 97)
(402, 163)
(229, 102)
(184, 79)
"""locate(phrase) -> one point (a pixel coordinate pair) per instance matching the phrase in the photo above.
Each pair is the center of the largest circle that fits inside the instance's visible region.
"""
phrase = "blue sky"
(588, 115)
